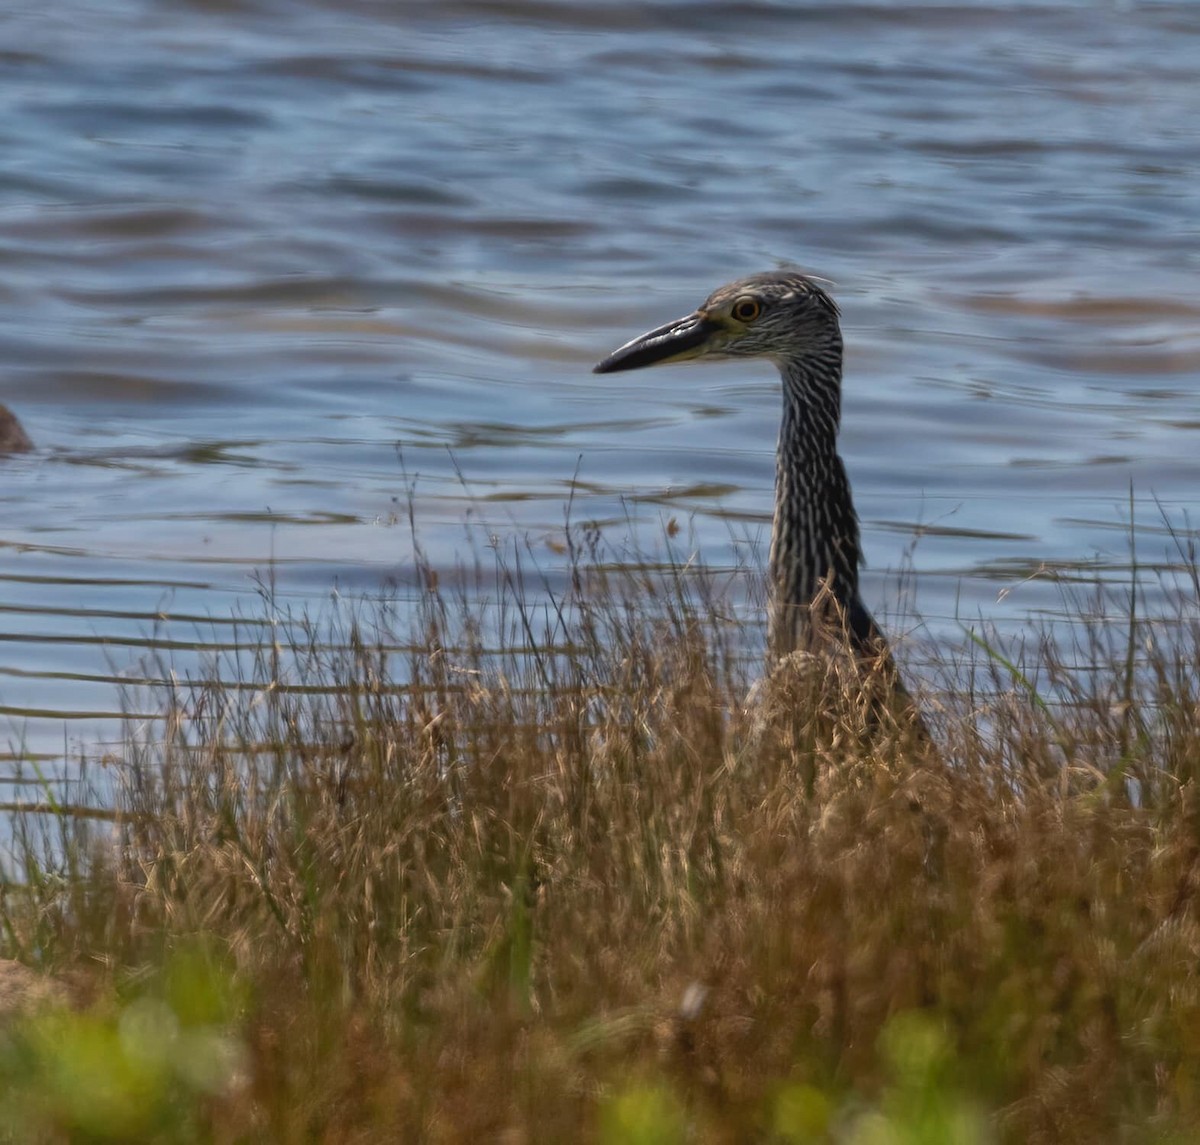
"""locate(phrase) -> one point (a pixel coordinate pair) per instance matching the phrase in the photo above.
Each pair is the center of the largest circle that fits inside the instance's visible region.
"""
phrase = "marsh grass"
(520, 866)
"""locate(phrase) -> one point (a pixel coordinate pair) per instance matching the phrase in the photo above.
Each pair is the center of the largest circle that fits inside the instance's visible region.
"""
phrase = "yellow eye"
(746, 309)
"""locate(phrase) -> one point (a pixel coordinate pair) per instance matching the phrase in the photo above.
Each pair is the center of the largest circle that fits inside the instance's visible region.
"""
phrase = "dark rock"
(13, 439)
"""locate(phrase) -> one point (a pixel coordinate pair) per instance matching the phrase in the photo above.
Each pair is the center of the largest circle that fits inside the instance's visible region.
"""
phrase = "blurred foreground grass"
(542, 878)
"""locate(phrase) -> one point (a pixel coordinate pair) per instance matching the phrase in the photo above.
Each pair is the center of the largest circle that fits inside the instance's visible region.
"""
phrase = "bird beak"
(675, 342)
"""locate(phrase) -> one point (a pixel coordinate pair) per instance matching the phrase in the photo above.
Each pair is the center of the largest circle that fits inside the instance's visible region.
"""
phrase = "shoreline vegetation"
(532, 872)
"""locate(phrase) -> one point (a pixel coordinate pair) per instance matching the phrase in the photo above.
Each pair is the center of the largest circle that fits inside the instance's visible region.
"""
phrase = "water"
(265, 268)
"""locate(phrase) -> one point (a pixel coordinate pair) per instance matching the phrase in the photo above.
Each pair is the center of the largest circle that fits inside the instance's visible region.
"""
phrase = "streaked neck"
(814, 542)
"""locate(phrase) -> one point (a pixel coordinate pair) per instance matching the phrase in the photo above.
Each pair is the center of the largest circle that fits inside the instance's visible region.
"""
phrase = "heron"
(787, 318)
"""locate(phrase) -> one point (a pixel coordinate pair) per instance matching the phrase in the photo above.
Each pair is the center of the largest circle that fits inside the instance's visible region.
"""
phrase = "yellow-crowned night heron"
(787, 318)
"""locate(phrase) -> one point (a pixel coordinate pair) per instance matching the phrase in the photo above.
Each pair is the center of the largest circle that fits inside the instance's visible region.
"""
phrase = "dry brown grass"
(555, 885)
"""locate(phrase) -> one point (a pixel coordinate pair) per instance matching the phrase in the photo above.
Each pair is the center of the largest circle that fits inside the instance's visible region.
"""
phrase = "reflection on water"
(267, 282)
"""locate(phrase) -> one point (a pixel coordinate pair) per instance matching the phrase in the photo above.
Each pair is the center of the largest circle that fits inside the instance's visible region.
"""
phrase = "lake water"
(267, 269)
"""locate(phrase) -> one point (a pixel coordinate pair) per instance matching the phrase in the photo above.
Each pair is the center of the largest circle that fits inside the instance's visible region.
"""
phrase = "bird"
(789, 319)
(13, 439)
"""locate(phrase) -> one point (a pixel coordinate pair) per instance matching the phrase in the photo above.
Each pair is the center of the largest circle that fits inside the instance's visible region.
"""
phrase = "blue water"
(268, 271)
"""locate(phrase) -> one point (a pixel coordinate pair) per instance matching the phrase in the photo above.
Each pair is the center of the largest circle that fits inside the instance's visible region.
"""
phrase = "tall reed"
(522, 865)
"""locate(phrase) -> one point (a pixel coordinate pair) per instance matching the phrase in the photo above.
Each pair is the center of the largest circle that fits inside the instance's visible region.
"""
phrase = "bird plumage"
(788, 318)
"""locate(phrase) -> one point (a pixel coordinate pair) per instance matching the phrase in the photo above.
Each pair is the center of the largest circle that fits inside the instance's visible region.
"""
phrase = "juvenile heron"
(787, 318)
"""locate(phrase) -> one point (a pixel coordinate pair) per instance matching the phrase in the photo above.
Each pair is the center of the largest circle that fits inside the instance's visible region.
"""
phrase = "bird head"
(781, 315)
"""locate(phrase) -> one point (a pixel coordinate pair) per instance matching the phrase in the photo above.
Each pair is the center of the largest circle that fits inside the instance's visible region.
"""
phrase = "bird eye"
(746, 309)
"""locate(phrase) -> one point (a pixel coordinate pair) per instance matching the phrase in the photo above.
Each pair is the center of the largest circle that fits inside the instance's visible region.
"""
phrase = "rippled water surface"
(266, 268)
